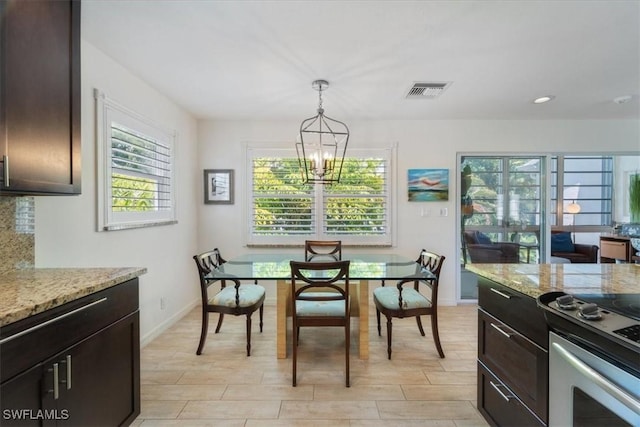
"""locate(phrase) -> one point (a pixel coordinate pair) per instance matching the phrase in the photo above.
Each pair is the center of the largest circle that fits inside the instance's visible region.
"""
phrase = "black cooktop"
(625, 304)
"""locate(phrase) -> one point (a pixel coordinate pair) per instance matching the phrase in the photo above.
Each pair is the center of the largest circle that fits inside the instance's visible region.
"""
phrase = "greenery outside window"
(281, 210)
(135, 169)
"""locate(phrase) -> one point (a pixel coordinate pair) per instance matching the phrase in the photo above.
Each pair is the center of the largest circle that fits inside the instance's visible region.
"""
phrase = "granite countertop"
(26, 292)
(536, 279)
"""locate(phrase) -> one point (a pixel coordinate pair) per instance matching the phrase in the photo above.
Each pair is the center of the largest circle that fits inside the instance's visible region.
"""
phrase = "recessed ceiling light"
(543, 99)
(622, 99)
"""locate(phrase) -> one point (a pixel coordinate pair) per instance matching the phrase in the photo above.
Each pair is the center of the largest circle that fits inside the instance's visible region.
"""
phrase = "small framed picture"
(218, 186)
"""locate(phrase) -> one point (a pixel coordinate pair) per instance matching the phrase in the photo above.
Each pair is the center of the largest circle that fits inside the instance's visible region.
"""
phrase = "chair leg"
(261, 315)
(203, 332)
(294, 357)
(436, 337)
(419, 322)
(389, 326)
(347, 340)
(378, 318)
(249, 334)
(220, 319)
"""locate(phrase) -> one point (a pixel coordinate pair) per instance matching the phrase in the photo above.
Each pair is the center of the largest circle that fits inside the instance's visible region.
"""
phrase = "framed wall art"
(428, 185)
(218, 186)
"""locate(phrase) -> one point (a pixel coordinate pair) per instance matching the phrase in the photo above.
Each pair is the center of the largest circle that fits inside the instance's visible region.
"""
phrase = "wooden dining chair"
(236, 299)
(320, 297)
(323, 249)
(404, 301)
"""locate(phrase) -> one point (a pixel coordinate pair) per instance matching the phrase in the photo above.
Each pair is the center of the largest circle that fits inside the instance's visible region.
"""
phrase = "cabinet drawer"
(614, 250)
(519, 363)
(27, 342)
(499, 405)
(516, 309)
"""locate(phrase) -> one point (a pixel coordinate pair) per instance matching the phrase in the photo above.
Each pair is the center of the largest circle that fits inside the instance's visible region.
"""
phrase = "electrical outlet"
(163, 304)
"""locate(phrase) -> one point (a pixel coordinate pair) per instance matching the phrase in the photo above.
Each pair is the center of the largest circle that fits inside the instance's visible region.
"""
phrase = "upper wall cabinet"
(39, 97)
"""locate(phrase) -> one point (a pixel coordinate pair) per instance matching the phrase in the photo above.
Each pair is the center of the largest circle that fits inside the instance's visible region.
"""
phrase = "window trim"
(288, 150)
(107, 220)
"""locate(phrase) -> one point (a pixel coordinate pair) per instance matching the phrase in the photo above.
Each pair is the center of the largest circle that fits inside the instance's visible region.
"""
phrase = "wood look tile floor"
(223, 387)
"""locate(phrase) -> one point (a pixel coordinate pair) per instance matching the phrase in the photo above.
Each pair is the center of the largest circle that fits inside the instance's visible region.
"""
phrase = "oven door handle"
(613, 390)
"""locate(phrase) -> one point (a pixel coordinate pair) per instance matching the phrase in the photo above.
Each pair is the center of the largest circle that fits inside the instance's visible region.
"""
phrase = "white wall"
(66, 233)
(421, 144)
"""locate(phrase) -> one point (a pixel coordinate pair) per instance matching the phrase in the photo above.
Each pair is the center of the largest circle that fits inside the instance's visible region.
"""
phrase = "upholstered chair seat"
(388, 296)
(404, 300)
(236, 299)
(320, 297)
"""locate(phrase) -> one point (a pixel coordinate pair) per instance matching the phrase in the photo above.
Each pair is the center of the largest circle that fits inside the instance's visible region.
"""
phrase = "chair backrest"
(432, 262)
(323, 249)
(470, 236)
(207, 262)
(306, 276)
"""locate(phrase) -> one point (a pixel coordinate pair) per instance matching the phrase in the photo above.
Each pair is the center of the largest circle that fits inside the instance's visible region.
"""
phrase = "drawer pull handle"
(48, 322)
(69, 372)
(497, 388)
(67, 381)
(499, 329)
(56, 389)
(502, 294)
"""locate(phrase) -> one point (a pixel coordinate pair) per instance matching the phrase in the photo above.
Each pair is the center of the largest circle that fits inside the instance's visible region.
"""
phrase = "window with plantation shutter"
(135, 169)
(281, 210)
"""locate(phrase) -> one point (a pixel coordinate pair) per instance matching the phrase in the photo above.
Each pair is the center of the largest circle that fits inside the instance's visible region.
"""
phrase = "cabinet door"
(99, 378)
(40, 97)
(21, 399)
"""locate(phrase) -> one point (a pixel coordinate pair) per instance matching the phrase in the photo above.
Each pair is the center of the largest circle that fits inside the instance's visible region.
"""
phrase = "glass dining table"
(363, 268)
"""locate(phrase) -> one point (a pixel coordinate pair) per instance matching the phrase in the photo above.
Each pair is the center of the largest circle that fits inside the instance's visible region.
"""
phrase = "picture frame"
(218, 186)
(428, 185)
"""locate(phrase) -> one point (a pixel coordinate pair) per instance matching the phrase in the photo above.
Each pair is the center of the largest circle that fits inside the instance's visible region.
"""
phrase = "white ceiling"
(257, 59)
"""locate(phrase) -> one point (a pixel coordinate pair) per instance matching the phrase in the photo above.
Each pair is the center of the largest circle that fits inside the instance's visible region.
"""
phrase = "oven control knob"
(566, 302)
(590, 312)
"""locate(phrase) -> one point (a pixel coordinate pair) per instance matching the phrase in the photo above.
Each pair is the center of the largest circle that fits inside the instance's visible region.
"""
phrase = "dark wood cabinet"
(499, 405)
(82, 363)
(39, 97)
(513, 360)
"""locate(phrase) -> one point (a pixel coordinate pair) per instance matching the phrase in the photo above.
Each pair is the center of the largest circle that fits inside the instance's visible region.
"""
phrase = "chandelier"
(322, 144)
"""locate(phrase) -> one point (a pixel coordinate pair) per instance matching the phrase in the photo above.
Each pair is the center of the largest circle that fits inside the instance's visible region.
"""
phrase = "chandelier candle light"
(322, 144)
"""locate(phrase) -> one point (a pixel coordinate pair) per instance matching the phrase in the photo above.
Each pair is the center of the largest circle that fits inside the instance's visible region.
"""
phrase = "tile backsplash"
(17, 233)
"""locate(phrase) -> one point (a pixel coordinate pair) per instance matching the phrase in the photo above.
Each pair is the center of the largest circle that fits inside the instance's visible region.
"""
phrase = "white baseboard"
(158, 330)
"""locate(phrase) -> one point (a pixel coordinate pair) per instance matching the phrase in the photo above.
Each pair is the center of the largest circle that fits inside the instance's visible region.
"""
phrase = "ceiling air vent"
(427, 90)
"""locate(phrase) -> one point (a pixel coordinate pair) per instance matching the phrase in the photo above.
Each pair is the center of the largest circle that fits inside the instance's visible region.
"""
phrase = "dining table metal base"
(359, 292)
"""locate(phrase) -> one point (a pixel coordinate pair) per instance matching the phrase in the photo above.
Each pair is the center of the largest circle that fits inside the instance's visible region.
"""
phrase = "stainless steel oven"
(586, 390)
(594, 360)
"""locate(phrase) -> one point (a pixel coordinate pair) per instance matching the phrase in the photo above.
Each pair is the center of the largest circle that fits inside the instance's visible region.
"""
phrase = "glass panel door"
(501, 210)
